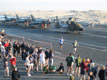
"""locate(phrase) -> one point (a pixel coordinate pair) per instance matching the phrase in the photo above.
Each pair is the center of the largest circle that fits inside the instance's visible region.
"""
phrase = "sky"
(33, 5)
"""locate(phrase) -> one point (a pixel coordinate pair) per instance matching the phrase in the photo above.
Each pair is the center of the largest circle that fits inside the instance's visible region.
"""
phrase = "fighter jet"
(21, 19)
(38, 21)
(8, 18)
(2, 19)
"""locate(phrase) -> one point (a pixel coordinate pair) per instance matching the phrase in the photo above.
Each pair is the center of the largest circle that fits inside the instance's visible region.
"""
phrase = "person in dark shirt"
(18, 48)
(91, 76)
(69, 61)
(28, 48)
(101, 73)
(47, 56)
(106, 73)
(51, 55)
(95, 70)
(60, 69)
(14, 48)
(24, 55)
(32, 49)
(23, 46)
(15, 74)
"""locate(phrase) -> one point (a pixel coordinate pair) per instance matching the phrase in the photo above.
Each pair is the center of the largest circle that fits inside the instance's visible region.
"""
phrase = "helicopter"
(69, 26)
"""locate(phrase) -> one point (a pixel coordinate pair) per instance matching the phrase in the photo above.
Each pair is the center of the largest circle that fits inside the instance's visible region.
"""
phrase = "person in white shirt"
(28, 65)
(42, 59)
(61, 41)
(2, 50)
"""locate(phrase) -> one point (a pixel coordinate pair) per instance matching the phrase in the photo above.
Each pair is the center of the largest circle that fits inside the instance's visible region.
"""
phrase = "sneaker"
(29, 74)
(70, 74)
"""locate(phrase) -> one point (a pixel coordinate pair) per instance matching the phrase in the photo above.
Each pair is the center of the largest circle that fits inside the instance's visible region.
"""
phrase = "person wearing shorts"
(42, 59)
(69, 61)
(28, 65)
(2, 50)
(61, 41)
(78, 62)
(75, 44)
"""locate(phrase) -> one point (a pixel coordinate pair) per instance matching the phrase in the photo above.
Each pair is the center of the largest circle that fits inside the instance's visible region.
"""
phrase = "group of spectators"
(85, 67)
(36, 58)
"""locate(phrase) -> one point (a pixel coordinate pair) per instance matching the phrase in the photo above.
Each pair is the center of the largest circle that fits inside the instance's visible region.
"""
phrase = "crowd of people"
(36, 58)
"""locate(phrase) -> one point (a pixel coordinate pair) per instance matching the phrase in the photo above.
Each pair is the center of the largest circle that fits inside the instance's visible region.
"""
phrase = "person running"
(69, 61)
(61, 41)
(75, 44)
(78, 62)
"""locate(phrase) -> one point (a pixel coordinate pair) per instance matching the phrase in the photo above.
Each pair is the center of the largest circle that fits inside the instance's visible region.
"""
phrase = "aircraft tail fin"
(17, 17)
(32, 17)
(5, 16)
(57, 22)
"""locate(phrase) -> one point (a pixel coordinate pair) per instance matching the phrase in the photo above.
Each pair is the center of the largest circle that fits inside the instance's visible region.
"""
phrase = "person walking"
(75, 44)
